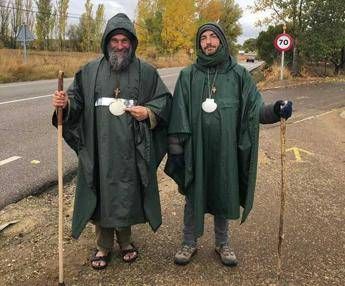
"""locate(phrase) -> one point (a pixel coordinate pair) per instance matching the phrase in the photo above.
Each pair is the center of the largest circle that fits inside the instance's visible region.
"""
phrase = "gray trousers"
(221, 226)
(105, 237)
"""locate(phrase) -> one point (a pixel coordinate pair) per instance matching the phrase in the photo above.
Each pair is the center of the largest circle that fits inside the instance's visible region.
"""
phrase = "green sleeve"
(179, 120)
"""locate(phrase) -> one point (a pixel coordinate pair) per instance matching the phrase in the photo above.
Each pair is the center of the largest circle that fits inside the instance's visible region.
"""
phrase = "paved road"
(28, 141)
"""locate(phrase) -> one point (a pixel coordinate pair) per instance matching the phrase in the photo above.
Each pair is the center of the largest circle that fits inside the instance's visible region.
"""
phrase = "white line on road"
(36, 82)
(47, 81)
(316, 116)
(25, 99)
(9, 160)
(48, 95)
(16, 84)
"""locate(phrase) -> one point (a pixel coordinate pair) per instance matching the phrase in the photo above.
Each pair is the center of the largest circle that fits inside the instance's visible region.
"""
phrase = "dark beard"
(119, 61)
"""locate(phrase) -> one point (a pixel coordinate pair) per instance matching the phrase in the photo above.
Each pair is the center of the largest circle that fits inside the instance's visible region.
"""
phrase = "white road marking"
(304, 119)
(26, 99)
(9, 160)
(47, 81)
(48, 95)
(316, 116)
(17, 84)
(37, 82)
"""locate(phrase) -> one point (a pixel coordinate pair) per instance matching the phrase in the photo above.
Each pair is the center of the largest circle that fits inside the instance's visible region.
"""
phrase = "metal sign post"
(282, 66)
(25, 55)
(25, 36)
(283, 43)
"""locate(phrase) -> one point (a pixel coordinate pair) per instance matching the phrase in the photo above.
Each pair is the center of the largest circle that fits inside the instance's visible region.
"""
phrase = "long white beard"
(119, 61)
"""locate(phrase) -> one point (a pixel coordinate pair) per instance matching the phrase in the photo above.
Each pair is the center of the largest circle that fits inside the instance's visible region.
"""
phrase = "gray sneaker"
(184, 255)
(227, 256)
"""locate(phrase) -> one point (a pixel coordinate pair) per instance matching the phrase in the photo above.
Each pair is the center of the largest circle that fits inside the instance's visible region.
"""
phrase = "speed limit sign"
(283, 42)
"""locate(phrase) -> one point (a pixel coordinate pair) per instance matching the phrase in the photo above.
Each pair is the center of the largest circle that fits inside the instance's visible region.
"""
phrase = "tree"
(29, 16)
(87, 28)
(99, 26)
(178, 25)
(154, 26)
(325, 34)
(266, 49)
(250, 45)
(43, 22)
(74, 37)
(16, 20)
(149, 23)
(62, 7)
(209, 10)
(170, 26)
(5, 12)
(144, 11)
(289, 12)
(229, 20)
(52, 44)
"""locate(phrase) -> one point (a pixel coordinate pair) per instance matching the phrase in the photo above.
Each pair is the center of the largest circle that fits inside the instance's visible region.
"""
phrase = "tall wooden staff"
(60, 182)
(282, 193)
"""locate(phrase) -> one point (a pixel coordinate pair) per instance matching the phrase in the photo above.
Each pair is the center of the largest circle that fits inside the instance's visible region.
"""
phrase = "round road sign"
(283, 42)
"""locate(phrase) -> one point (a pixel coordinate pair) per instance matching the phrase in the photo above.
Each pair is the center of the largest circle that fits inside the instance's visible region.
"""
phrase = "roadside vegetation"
(166, 33)
(318, 30)
(41, 64)
(46, 64)
(268, 77)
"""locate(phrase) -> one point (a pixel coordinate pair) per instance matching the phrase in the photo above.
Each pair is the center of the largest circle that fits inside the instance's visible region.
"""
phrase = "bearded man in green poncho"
(213, 141)
(116, 114)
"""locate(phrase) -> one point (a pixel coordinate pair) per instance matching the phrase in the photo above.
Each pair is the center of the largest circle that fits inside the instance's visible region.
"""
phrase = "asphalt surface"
(28, 154)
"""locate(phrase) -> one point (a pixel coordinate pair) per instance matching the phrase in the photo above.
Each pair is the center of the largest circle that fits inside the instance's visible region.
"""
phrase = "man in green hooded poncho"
(115, 117)
(213, 141)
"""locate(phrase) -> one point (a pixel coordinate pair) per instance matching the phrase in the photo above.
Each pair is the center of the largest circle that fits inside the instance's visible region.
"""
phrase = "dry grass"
(41, 65)
(271, 78)
(273, 73)
(176, 60)
(45, 65)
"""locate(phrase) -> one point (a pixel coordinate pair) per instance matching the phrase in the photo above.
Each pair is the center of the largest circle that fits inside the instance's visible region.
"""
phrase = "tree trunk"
(342, 62)
(295, 60)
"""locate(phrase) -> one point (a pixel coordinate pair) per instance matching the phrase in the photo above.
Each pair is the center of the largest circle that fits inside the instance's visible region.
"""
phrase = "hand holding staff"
(60, 182)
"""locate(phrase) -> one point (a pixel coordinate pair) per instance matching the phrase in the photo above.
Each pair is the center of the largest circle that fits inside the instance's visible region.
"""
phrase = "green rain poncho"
(117, 156)
(220, 148)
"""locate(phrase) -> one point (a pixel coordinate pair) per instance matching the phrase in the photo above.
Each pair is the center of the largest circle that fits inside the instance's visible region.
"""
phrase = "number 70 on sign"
(283, 42)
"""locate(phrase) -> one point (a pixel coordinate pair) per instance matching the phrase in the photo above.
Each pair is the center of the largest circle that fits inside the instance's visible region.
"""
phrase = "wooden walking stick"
(60, 182)
(282, 193)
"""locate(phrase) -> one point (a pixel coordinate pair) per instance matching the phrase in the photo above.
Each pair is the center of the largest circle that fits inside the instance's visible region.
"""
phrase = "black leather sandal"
(105, 259)
(124, 252)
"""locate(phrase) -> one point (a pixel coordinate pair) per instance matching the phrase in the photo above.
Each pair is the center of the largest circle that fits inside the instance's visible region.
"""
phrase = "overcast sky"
(128, 6)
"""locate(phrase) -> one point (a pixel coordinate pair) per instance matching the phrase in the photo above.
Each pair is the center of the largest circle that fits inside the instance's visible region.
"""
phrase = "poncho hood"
(125, 26)
(222, 54)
